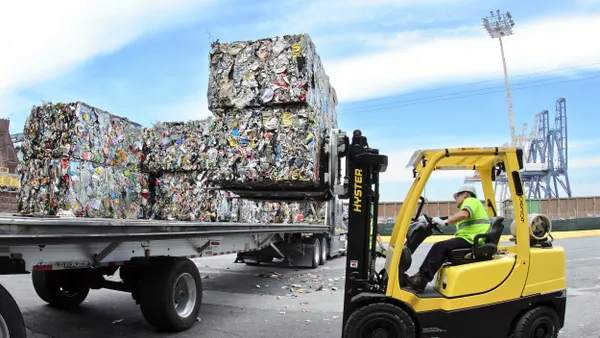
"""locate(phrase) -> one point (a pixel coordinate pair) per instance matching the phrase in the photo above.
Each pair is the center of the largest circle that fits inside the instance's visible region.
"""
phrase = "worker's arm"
(459, 216)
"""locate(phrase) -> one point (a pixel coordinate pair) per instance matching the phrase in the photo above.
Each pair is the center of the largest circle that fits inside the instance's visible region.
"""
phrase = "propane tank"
(539, 227)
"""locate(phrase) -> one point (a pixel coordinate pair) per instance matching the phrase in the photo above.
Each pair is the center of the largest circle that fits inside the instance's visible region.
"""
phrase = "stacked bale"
(276, 106)
(180, 156)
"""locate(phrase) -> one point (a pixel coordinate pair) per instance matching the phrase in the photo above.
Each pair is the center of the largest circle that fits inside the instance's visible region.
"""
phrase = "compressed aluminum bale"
(180, 146)
(271, 71)
(187, 196)
(82, 132)
(281, 212)
(269, 147)
(81, 188)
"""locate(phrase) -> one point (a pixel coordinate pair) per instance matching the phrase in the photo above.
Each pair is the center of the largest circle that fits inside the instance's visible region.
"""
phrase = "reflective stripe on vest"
(473, 222)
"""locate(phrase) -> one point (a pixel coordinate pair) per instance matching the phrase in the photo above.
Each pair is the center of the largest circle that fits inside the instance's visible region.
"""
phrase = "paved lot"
(235, 307)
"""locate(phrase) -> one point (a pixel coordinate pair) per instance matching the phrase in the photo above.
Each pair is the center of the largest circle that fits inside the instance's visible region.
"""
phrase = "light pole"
(497, 26)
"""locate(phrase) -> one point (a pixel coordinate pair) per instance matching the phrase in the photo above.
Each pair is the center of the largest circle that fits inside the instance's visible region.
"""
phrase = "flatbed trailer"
(67, 257)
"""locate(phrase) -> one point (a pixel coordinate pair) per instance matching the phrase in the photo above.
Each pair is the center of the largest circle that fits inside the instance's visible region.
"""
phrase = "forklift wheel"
(380, 320)
(540, 322)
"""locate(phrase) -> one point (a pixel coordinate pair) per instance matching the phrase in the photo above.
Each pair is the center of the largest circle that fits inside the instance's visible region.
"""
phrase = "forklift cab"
(488, 290)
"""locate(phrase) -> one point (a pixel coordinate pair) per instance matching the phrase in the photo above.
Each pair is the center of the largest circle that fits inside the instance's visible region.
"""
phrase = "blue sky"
(410, 73)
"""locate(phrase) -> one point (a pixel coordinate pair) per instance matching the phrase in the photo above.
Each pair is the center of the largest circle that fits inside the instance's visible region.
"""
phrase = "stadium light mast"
(498, 25)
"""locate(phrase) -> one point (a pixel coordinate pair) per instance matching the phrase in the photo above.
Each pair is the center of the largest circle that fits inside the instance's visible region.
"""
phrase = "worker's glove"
(381, 247)
(439, 222)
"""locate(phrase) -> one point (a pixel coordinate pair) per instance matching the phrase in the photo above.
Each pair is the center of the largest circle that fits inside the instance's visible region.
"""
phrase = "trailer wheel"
(324, 250)
(62, 289)
(316, 257)
(171, 294)
(11, 318)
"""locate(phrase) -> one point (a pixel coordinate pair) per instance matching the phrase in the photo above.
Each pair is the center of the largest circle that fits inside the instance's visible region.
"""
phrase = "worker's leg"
(437, 255)
(434, 260)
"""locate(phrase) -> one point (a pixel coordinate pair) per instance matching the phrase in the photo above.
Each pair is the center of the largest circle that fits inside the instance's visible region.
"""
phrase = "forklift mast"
(363, 166)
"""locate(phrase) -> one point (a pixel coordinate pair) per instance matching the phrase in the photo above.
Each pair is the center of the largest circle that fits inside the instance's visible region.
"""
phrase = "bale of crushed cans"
(181, 146)
(271, 71)
(186, 157)
(81, 160)
(281, 212)
(180, 156)
(184, 196)
(277, 107)
(79, 131)
(188, 196)
(82, 189)
(268, 147)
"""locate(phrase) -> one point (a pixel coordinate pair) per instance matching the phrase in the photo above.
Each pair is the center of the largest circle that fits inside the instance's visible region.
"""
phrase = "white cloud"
(582, 144)
(42, 40)
(584, 162)
(430, 57)
(585, 189)
(191, 108)
(316, 15)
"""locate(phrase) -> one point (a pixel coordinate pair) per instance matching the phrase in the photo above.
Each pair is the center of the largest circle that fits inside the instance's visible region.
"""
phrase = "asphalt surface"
(240, 303)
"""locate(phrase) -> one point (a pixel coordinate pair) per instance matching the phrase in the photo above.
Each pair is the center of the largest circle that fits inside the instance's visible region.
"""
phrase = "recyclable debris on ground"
(82, 132)
(82, 188)
(277, 106)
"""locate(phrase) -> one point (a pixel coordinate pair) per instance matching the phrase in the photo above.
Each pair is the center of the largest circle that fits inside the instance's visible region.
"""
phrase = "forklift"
(516, 291)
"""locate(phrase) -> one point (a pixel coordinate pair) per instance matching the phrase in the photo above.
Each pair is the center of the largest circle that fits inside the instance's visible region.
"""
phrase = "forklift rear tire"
(540, 321)
(380, 320)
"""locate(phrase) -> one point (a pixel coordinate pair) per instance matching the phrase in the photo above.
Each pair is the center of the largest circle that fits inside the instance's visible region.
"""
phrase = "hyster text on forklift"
(486, 291)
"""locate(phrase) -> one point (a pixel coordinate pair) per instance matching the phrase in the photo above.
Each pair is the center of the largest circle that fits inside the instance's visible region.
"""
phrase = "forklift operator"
(472, 219)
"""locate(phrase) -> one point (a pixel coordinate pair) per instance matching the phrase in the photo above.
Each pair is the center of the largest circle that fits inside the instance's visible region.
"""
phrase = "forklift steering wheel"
(433, 225)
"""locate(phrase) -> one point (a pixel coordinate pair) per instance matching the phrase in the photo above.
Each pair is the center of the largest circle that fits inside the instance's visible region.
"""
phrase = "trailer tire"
(11, 318)
(166, 280)
(324, 250)
(316, 256)
(49, 287)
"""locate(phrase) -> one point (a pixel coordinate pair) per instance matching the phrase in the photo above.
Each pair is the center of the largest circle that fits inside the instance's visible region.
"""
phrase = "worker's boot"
(417, 283)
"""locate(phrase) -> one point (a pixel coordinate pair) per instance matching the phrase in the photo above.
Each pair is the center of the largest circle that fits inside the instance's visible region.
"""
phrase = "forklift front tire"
(380, 320)
(541, 321)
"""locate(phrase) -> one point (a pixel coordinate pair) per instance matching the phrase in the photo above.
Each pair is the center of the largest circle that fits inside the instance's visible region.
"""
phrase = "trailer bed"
(24, 230)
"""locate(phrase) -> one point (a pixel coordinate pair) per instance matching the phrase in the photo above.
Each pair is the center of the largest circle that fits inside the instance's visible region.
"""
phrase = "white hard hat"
(468, 188)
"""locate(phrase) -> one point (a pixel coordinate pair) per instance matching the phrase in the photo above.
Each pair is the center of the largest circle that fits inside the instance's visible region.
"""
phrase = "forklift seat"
(480, 252)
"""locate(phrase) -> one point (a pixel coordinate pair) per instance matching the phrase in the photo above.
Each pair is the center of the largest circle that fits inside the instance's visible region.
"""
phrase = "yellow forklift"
(486, 291)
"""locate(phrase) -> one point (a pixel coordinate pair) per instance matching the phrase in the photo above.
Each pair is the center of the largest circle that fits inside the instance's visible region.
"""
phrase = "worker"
(472, 219)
